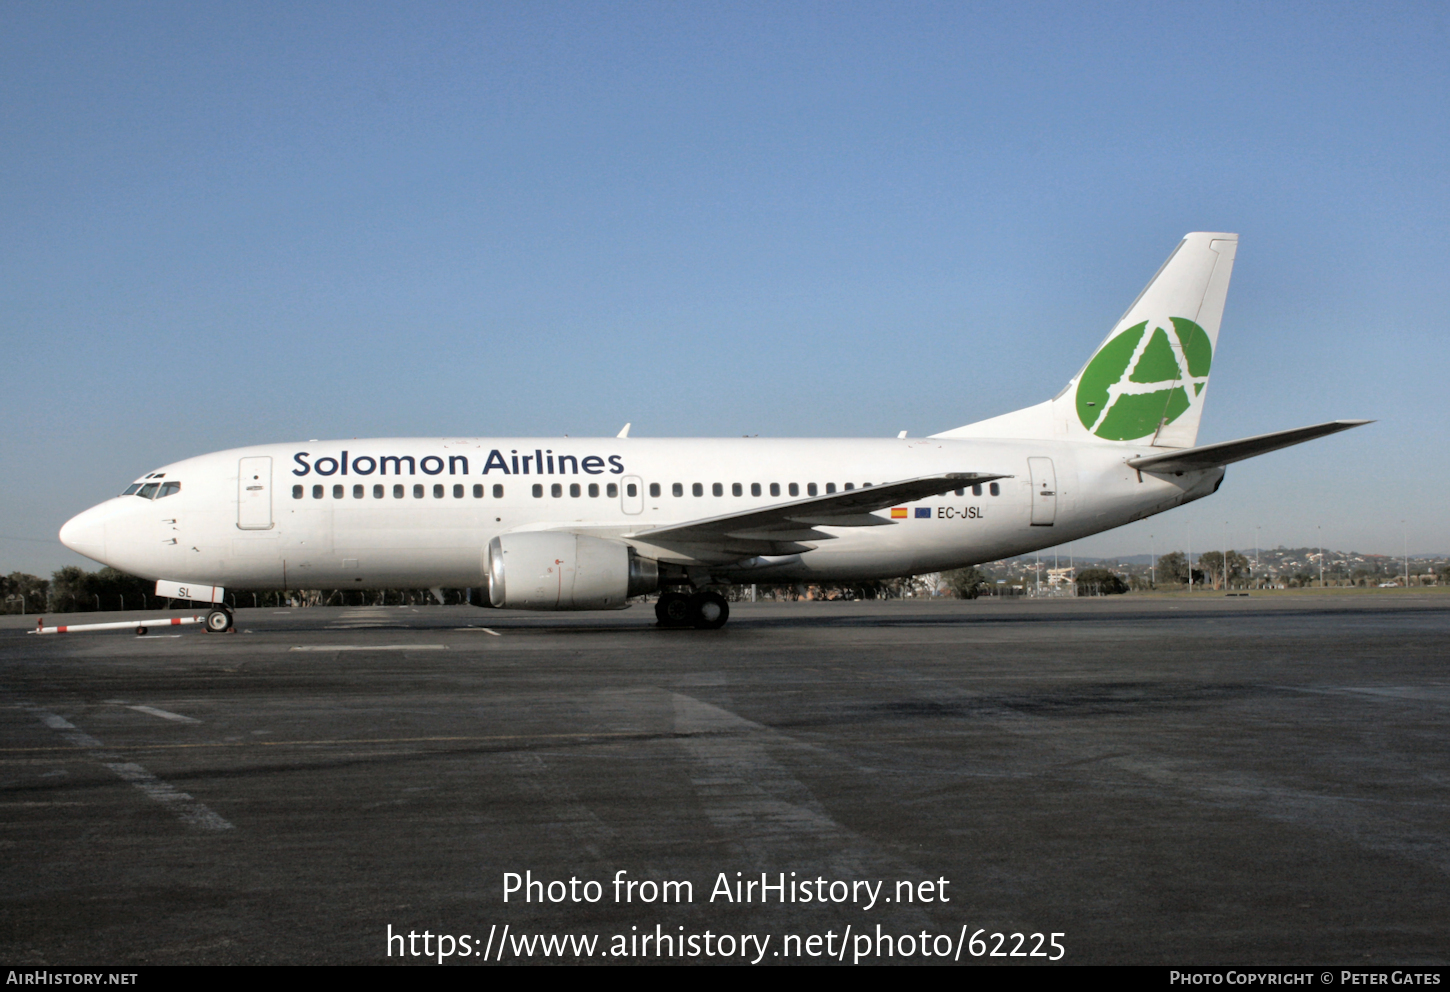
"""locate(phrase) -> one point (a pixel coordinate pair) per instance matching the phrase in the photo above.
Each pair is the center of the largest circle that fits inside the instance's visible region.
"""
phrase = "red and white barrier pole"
(137, 625)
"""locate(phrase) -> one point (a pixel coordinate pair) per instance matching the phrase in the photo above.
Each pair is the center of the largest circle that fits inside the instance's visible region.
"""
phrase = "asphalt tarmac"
(1156, 781)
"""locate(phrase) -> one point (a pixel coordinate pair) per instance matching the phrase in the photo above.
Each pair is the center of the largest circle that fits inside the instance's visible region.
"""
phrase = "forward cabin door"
(1044, 491)
(254, 494)
(631, 494)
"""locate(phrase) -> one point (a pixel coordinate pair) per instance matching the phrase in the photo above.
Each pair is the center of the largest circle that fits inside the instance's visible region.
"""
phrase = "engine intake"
(548, 570)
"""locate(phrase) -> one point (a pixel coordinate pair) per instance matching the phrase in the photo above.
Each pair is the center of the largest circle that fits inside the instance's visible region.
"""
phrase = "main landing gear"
(219, 621)
(703, 610)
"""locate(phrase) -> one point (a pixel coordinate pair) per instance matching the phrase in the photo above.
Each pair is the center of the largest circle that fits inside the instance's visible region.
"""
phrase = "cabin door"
(254, 494)
(1044, 491)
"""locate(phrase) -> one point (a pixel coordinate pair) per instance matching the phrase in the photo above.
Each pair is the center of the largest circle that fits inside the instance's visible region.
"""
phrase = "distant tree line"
(898, 588)
(966, 583)
(23, 593)
(1100, 582)
(74, 590)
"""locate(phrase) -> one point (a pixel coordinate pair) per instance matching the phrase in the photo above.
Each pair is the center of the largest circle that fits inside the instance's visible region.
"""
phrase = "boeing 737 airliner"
(583, 524)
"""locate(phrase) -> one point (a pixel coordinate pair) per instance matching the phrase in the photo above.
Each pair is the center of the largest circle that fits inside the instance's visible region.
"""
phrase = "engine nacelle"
(549, 570)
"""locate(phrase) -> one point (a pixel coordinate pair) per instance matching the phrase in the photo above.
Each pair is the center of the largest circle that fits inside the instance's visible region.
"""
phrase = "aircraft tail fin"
(1146, 383)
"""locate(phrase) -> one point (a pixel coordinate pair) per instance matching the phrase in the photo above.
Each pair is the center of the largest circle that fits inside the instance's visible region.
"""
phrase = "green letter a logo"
(1140, 380)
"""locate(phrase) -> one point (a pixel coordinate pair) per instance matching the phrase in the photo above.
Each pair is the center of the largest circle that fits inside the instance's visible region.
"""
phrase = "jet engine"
(551, 570)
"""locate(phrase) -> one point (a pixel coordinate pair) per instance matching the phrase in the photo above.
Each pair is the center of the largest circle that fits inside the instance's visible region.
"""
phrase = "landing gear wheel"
(708, 611)
(673, 610)
(140, 631)
(218, 621)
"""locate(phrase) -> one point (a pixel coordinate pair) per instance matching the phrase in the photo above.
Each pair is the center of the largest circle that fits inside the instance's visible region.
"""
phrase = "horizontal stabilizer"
(1218, 455)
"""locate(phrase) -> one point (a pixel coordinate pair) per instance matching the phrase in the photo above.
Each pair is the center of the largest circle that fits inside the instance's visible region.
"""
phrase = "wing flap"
(841, 520)
(793, 534)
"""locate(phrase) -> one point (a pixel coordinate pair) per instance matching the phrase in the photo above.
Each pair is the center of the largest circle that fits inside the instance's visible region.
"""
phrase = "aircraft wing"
(780, 529)
(1217, 455)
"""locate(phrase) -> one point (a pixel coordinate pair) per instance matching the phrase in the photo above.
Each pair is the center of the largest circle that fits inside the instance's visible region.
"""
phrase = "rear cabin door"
(1044, 491)
(254, 494)
(631, 494)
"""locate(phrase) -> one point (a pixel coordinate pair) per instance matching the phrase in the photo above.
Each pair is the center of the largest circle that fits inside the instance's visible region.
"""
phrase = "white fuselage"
(420, 512)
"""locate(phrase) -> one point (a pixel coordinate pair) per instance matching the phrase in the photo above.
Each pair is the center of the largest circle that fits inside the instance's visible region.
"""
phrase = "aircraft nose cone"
(85, 534)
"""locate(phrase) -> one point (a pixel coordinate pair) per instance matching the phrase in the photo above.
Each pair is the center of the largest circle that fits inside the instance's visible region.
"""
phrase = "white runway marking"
(484, 629)
(77, 736)
(184, 806)
(1416, 694)
(363, 618)
(371, 647)
(1376, 824)
(565, 809)
(758, 806)
(187, 809)
(164, 714)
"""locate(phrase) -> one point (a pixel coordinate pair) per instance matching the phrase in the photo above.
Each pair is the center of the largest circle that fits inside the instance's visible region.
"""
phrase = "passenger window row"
(792, 489)
(359, 491)
(575, 490)
(756, 488)
(611, 490)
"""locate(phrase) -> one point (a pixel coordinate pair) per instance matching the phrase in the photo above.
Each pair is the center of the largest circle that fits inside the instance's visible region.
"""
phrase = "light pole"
(1190, 559)
(1225, 556)
(1152, 562)
(1405, 533)
(1319, 528)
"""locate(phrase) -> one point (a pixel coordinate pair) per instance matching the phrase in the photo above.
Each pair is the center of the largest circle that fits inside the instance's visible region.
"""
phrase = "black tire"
(673, 610)
(708, 611)
(218, 621)
(140, 631)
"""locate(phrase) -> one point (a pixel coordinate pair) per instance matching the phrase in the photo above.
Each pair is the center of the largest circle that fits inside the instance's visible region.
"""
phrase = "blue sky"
(236, 223)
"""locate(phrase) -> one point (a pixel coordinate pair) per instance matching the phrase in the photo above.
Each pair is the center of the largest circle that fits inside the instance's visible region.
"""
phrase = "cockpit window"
(148, 491)
(131, 489)
(168, 489)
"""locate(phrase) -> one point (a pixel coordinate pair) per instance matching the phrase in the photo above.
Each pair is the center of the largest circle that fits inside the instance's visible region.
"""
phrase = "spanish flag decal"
(898, 513)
